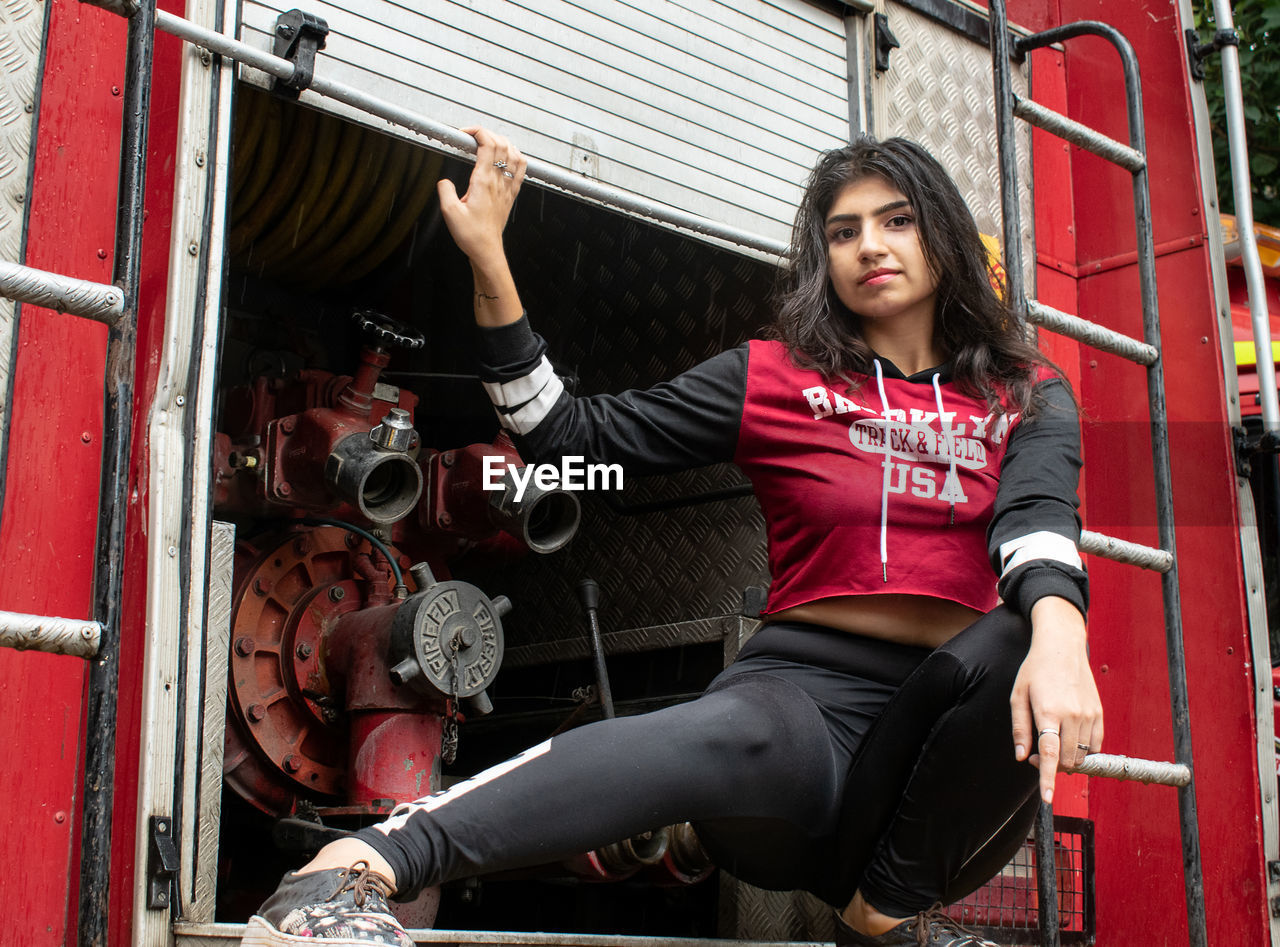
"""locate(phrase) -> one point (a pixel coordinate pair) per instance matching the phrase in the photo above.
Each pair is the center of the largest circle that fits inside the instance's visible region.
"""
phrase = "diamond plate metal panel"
(755, 914)
(654, 569)
(938, 91)
(631, 641)
(222, 542)
(21, 39)
(624, 305)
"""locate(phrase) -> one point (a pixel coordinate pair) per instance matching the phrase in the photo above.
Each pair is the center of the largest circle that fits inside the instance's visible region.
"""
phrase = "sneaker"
(340, 906)
(931, 928)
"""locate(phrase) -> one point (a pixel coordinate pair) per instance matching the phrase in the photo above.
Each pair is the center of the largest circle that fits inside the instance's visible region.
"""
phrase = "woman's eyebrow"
(892, 205)
(883, 209)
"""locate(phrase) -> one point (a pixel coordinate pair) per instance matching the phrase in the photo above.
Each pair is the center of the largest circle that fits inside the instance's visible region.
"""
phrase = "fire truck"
(256, 591)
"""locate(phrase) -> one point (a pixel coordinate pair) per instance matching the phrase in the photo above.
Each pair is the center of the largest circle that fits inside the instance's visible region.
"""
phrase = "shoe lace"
(924, 921)
(361, 881)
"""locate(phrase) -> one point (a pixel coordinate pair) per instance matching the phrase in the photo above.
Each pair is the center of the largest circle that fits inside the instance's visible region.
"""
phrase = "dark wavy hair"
(975, 329)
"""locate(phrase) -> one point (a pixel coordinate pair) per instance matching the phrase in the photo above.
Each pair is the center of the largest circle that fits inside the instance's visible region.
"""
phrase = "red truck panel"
(53, 461)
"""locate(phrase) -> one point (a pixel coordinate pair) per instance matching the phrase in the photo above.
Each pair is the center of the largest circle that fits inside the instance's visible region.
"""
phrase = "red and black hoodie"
(903, 484)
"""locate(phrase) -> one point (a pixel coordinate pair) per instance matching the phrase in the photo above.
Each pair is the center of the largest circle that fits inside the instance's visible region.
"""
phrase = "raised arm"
(689, 421)
(476, 221)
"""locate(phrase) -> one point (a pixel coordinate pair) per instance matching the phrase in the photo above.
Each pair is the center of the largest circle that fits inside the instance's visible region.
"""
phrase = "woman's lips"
(875, 279)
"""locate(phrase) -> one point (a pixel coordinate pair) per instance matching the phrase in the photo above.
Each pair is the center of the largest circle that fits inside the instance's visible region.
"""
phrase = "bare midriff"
(907, 619)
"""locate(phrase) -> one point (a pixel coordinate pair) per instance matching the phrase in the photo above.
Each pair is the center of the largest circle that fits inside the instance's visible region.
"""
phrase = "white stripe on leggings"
(400, 815)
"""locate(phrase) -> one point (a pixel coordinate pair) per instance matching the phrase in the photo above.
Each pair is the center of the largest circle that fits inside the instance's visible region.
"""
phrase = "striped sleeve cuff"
(1038, 545)
(520, 390)
(523, 418)
(517, 376)
(1041, 564)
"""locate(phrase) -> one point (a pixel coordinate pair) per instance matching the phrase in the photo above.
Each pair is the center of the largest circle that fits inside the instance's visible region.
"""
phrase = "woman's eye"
(844, 233)
(901, 220)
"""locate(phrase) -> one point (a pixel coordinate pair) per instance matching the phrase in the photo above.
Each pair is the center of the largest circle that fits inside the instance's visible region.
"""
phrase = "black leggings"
(819, 760)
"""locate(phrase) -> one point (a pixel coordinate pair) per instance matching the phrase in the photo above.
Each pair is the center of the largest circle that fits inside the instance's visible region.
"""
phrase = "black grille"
(1006, 908)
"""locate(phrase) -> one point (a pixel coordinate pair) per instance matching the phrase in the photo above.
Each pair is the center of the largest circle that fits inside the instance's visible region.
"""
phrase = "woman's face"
(876, 261)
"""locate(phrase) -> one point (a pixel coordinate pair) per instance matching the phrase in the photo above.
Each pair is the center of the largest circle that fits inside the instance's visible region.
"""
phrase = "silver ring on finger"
(1082, 747)
(507, 174)
(499, 164)
(1048, 730)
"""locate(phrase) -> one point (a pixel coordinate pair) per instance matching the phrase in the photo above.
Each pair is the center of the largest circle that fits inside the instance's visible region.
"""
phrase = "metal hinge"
(162, 862)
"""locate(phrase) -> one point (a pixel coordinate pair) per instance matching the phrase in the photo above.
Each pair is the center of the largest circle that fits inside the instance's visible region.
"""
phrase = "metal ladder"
(97, 639)
(1131, 157)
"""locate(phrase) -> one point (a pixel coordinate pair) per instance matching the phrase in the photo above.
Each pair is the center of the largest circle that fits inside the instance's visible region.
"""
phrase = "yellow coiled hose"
(318, 199)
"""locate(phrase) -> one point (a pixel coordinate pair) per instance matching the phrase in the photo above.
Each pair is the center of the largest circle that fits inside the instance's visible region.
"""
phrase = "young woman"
(880, 741)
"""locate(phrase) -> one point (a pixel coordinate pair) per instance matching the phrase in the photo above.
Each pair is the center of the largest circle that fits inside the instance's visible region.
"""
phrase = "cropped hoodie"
(904, 485)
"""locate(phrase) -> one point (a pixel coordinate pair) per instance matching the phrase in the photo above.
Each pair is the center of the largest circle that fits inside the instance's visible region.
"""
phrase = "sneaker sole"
(259, 933)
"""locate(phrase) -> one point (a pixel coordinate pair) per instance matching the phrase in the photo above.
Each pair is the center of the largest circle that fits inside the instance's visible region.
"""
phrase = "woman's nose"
(872, 244)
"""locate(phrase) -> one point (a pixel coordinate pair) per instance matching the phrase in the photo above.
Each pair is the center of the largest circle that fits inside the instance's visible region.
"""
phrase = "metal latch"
(885, 41)
(1249, 444)
(162, 862)
(299, 36)
(1197, 51)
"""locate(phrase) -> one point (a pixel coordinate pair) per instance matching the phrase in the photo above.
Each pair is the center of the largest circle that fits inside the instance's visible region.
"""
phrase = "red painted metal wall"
(53, 463)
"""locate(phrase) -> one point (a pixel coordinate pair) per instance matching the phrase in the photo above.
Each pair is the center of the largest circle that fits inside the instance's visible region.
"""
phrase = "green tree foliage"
(1258, 24)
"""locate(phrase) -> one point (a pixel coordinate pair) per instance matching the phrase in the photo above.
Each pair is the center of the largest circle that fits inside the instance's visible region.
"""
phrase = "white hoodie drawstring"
(884, 488)
(953, 483)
